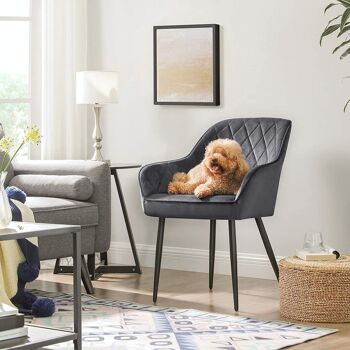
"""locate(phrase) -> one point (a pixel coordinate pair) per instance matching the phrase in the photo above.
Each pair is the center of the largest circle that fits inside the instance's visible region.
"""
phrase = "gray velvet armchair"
(67, 192)
(264, 142)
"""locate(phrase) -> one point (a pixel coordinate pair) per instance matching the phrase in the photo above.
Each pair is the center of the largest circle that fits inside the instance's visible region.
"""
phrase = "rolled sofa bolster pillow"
(62, 186)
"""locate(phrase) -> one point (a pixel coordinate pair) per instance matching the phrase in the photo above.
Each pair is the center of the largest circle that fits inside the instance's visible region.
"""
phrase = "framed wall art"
(186, 65)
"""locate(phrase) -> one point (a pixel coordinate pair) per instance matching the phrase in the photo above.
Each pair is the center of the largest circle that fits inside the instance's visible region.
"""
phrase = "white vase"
(5, 210)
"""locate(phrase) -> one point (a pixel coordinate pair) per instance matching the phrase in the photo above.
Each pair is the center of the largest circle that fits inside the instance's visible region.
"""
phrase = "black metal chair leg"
(268, 246)
(158, 260)
(86, 277)
(212, 252)
(233, 259)
(91, 265)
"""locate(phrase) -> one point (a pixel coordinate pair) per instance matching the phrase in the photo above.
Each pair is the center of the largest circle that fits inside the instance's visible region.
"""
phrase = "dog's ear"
(233, 149)
(242, 167)
(209, 148)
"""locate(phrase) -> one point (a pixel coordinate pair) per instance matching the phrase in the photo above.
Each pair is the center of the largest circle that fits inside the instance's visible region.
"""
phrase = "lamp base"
(97, 134)
(97, 156)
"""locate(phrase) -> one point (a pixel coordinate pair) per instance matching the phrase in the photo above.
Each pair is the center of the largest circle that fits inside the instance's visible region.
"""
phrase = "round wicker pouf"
(315, 291)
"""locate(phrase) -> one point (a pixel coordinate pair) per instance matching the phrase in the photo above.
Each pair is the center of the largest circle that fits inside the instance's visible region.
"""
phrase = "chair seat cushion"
(63, 211)
(189, 206)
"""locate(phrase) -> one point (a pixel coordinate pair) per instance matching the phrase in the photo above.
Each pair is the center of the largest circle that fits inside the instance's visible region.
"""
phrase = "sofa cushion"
(10, 171)
(63, 211)
(62, 186)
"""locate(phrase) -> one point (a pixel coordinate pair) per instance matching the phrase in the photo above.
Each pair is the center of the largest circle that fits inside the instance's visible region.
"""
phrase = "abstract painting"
(186, 64)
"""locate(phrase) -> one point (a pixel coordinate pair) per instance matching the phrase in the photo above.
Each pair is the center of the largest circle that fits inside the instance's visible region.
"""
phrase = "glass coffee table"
(41, 336)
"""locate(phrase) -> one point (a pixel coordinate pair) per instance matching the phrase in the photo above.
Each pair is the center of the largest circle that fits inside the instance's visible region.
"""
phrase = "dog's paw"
(202, 191)
(172, 189)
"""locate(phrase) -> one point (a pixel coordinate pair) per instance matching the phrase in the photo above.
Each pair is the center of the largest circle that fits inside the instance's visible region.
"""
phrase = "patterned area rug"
(111, 324)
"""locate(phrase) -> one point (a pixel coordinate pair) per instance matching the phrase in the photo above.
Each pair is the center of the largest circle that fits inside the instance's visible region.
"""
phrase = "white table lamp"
(96, 88)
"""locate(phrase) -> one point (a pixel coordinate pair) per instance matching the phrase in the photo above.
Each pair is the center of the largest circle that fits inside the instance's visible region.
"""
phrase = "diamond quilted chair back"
(261, 139)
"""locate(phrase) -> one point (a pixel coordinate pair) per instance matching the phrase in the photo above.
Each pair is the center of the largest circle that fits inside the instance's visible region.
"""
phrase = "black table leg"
(104, 258)
(127, 222)
(77, 274)
(104, 267)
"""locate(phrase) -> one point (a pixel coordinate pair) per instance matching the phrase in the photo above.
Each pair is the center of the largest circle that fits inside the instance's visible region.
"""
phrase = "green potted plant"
(340, 25)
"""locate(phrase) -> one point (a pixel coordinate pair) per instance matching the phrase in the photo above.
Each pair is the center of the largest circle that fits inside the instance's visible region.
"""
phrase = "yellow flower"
(6, 144)
(32, 135)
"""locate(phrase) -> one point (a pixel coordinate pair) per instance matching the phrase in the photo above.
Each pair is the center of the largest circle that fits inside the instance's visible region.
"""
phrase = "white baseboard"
(185, 259)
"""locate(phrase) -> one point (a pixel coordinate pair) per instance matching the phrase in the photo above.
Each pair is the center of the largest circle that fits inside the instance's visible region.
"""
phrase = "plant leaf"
(329, 6)
(341, 45)
(346, 104)
(344, 30)
(344, 18)
(345, 3)
(329, 30)
(345, 53)
(332, 20)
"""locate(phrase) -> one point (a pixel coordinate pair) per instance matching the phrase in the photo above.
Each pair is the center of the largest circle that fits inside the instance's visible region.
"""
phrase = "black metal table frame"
(104, 268)
(19, 230)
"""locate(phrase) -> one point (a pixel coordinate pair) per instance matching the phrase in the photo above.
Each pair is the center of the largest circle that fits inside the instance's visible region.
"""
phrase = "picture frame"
(186, 63)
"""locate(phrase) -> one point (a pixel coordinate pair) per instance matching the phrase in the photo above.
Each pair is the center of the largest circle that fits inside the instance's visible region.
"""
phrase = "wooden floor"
(258, 298)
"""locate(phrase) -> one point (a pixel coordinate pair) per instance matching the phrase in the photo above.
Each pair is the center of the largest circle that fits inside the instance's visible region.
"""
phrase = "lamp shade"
(96, 87)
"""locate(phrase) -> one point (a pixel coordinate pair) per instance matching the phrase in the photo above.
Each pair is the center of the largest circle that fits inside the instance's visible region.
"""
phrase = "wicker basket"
(315, 291)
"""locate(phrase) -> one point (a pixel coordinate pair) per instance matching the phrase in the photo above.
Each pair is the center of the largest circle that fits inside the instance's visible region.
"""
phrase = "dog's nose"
(214, 160)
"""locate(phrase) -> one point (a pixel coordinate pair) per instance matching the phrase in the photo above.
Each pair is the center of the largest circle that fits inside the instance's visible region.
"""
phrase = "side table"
(38, 336)
(104, 268)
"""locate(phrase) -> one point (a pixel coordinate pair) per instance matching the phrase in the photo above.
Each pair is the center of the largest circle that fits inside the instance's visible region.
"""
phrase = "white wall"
(271, 65)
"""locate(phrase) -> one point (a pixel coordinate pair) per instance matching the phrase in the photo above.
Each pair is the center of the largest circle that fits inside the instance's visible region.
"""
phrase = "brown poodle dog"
(221, 171)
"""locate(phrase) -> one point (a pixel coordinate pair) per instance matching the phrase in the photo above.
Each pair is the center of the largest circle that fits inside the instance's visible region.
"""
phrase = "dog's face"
(222, 156)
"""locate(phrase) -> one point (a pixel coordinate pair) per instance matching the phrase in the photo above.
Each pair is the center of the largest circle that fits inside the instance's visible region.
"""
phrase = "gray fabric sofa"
(50, 206)
(94, 214)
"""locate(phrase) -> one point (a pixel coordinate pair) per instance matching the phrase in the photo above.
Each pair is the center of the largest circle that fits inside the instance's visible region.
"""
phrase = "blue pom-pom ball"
(43, 307)
(27, 273)
(28, 300)
(16, 194)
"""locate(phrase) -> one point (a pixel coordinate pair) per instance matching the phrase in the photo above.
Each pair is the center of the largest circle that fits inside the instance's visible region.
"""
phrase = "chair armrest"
(259, 189)
(154, 178)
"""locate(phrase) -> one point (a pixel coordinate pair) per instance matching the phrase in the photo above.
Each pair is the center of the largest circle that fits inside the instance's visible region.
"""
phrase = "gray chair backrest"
(261, 139)
(10, 170)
